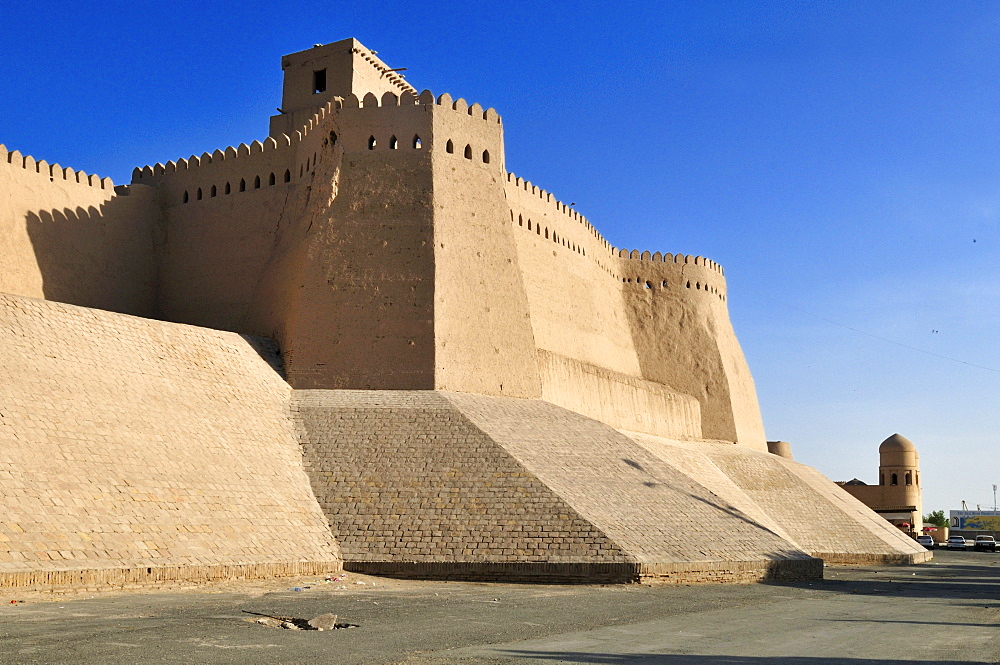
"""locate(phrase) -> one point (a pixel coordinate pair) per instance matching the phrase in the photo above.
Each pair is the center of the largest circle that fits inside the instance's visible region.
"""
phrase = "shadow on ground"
(687, 659)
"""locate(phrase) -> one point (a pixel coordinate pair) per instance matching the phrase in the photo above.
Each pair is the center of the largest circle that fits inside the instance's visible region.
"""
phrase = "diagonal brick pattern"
(139, 452)
(792, 499)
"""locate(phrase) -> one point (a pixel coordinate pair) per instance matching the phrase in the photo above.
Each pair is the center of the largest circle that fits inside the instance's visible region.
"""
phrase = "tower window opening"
(881, 479)
(468, 151)
(393, 143)
(529, 224)
(214, 191)
(300, 170)
(186, 197)
(663, 284)
(486, 156)
(229, 190)
(199, 193)
(333, 138)
(649, 285)
(256, 182)
(417, 145)
(270, 179)
(243, 184)
(893, 480)
(908, 478)
(372, 142)
(319, 81)
(288, 175)
(520, 220)
(449, 147)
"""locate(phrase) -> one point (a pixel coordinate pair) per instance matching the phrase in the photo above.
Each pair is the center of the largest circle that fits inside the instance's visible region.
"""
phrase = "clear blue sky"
(840, 159)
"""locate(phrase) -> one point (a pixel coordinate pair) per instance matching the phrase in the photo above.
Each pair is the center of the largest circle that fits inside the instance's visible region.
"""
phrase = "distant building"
(897, 495)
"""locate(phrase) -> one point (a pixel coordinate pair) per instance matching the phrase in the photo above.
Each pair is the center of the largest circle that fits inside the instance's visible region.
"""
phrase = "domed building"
(897, 495)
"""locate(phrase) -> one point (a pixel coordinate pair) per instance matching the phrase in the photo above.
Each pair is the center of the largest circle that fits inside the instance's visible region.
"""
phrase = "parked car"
(956, 543)
(926, 541)
(985, 544)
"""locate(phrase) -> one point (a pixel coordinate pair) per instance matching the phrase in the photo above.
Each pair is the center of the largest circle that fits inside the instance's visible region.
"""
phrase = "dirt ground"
(946, 611)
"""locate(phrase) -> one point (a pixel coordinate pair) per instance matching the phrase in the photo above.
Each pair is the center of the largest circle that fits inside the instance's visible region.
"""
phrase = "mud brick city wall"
(127, 443)
(403, 476)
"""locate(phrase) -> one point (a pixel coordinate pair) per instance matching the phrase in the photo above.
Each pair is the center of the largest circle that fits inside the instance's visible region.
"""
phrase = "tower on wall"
(897, 495)
(317, 75)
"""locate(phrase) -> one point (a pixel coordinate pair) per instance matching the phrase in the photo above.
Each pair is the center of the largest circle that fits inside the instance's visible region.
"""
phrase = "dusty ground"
(942, 612)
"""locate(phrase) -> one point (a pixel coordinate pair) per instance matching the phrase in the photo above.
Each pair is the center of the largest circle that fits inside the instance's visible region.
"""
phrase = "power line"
(881, 339)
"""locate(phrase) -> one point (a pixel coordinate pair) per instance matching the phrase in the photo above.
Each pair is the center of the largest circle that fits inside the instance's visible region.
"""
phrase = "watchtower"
(339, 69)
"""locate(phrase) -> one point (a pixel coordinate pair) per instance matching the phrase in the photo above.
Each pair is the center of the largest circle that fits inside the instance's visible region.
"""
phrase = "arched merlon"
(51, 172)
(635, 255)
(404, 102)
(557, 205)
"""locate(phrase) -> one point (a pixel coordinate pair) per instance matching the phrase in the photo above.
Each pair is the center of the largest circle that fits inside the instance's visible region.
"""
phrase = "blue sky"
(840, 159)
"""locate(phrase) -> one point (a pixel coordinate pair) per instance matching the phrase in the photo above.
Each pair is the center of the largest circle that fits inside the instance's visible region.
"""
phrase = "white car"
(956, 543)
(926, 541)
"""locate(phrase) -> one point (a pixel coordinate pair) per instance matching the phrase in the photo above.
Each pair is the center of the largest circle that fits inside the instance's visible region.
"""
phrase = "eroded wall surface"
(482, 326)
(136, 451)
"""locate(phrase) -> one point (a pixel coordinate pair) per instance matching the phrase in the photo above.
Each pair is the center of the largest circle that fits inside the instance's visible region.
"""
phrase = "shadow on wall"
(268, 350)
(105, 258)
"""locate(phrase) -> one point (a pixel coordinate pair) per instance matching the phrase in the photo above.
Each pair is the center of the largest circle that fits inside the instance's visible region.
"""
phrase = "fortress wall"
(648, 508)
(411, 486)
(620, 400)
(66, 236)
(616, 317)
(134, 451)
(683, 338)
(576, 307)
(460, 485)
(230, 259)
(218, 249)
(364, 316)
(483, 332)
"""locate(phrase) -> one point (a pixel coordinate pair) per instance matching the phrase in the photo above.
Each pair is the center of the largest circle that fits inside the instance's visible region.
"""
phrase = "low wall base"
(103, 579)
(483, 571)
(734, 572)
(727, 572)
(847, 558)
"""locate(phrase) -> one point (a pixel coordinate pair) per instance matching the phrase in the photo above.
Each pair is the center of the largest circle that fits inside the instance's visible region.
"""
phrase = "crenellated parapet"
(540, 213)
(352, 124)
(51, 172)
(680, 272)
(656, 257)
